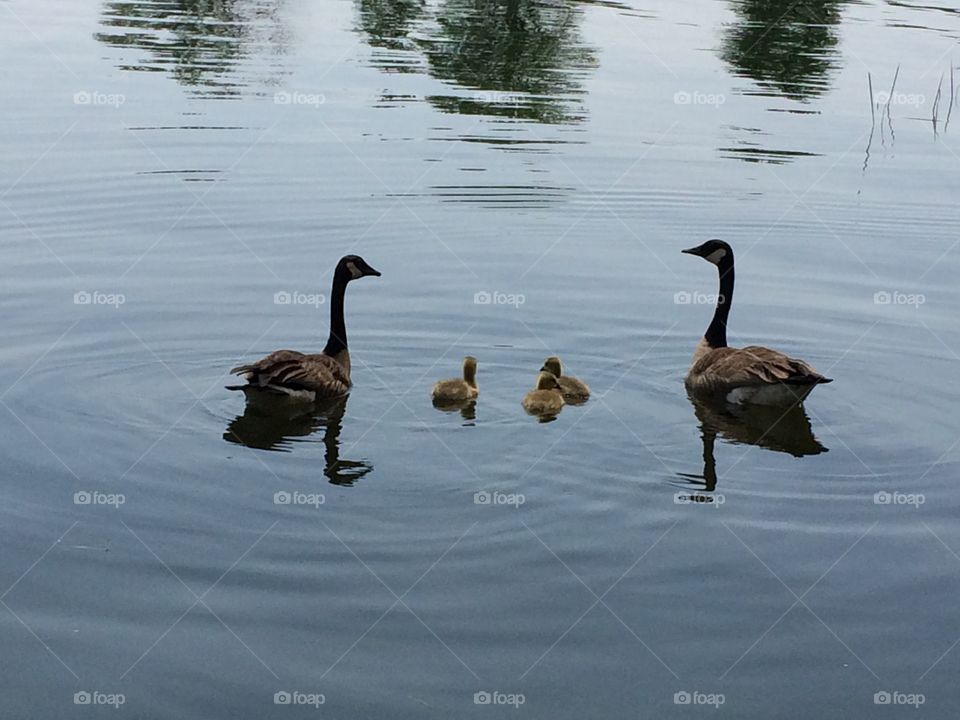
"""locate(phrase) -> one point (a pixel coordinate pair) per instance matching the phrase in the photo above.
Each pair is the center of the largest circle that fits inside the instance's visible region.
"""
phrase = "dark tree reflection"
(388, 23)
(199, 42)
(788, 48)
(509, 58)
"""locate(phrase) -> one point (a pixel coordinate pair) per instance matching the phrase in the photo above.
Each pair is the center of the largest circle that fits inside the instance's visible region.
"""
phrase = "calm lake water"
(179, 180)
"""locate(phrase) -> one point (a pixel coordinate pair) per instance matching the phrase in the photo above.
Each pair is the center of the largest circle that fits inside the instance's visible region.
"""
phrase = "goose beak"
(690, 251)
(371, 271)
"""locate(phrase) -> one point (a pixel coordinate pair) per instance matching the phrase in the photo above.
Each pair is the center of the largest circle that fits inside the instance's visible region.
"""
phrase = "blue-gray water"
(169, 167)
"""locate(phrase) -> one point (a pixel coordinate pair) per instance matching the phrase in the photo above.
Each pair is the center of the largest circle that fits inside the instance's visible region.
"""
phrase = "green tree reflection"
(388, 24)
(521, 59)
(200, 42)
(787, 47)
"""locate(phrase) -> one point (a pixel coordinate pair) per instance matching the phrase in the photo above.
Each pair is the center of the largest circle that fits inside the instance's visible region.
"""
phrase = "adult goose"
(751, 374)
(311, 377)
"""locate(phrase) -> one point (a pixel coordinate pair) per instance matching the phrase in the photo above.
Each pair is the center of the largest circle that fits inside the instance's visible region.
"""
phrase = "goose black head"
(715, 251)
(353, 267)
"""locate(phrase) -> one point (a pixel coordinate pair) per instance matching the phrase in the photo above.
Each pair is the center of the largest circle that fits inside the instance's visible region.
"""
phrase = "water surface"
(173, 168)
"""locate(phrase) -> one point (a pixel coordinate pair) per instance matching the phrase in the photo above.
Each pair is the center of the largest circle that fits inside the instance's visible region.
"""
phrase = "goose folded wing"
(755, 365)
(291, 369)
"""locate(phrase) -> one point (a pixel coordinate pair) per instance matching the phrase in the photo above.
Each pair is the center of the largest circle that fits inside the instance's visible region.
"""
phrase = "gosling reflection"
(276, 423)
(466, 408)
(772, 428)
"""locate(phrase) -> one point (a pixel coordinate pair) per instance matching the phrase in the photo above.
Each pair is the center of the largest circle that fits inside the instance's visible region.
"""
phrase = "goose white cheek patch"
(354, 271)
(716, 256)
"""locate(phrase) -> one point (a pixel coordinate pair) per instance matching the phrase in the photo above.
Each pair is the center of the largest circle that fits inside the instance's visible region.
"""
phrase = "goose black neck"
(337, 340)
(716, 335)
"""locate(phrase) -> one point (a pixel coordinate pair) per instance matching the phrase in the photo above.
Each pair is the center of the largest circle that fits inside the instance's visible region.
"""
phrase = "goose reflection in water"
(772, 428)
(276, 423)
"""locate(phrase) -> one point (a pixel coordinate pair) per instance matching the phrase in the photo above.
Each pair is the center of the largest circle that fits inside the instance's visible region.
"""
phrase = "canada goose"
(311, 377)
(571, 387)
(752, 374)
(546, 398)
(457, 390)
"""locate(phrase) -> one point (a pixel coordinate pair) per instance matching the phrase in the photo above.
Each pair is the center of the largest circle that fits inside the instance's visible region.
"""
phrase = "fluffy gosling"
(457, 389)
(571, 387)
(546, 398)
